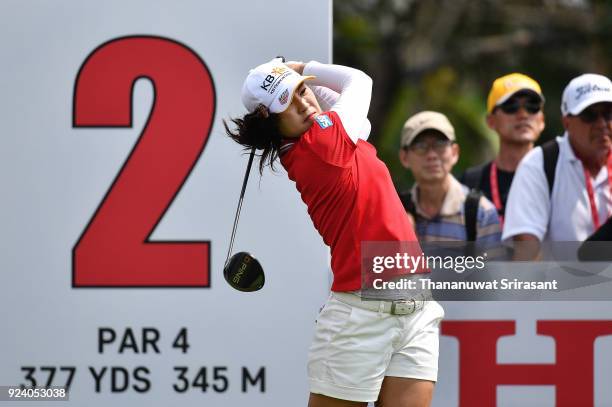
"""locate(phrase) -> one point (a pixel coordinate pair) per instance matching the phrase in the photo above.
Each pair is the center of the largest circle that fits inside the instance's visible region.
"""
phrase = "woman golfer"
(362, 351)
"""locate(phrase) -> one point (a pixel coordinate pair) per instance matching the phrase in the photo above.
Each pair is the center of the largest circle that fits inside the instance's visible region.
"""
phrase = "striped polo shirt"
(449, 224)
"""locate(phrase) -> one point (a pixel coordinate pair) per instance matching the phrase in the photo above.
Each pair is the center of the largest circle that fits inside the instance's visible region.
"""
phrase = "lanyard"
(591, 192)
(495, 192)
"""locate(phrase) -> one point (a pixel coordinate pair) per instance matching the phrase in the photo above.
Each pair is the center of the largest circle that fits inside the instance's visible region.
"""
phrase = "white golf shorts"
(354, 349)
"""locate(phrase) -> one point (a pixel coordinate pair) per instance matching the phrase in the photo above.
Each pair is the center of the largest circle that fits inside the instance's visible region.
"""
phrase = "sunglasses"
(422, 147)
(512, 105)
(590, 115)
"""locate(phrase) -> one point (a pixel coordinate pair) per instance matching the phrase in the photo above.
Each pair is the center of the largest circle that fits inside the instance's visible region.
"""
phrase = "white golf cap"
(584, 91)
(271, 84)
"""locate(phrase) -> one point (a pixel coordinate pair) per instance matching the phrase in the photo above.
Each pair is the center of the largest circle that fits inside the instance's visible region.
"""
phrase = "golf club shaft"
(244, 184)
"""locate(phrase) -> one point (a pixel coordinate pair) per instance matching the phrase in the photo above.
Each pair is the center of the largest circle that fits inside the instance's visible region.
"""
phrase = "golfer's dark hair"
(260, 130)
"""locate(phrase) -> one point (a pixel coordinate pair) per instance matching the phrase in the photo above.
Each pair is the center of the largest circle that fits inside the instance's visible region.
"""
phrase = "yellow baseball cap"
(507, 86)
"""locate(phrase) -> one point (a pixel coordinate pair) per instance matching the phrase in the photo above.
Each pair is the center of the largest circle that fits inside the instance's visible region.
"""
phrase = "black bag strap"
(550, 150)
(406, 198)
(470, 210)
(472, 177)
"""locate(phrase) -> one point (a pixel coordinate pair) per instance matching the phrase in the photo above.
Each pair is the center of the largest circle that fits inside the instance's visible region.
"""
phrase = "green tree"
(444, 54)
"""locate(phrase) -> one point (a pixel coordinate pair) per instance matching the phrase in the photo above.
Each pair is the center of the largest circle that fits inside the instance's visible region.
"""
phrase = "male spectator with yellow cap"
(571, 201)
(514, 112)
(442, 208)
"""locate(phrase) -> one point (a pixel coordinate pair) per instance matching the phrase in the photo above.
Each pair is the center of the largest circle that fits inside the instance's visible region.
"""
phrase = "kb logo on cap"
(269, 80)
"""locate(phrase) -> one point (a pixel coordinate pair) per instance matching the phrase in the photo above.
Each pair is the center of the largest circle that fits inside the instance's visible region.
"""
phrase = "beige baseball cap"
(426, 120)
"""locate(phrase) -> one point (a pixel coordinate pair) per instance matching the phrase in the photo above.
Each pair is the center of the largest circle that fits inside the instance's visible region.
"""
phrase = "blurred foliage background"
(443, 55)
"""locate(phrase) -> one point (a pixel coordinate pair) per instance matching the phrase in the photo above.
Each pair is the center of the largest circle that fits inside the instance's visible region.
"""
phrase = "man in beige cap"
(514, 112)
(442, 208)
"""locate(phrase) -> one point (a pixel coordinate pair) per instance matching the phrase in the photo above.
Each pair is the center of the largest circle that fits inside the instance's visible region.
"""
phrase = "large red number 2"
(114, 250)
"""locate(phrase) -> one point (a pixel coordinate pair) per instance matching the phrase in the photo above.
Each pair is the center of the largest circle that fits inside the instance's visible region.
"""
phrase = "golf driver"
(242, 271)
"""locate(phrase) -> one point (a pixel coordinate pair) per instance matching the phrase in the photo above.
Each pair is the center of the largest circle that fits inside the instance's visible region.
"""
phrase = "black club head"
(244, 272)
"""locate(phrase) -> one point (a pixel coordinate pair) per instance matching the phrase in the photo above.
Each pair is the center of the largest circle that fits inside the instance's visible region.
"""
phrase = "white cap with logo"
(272, 85)
(584, 91)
